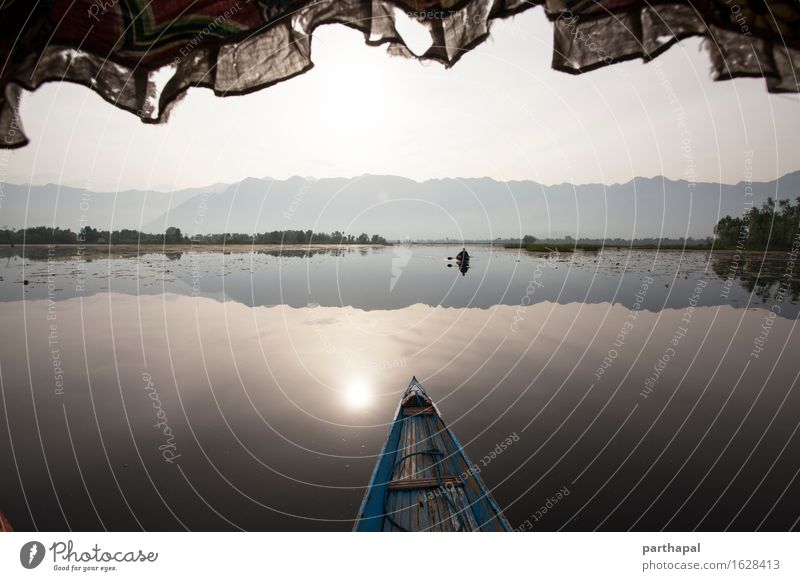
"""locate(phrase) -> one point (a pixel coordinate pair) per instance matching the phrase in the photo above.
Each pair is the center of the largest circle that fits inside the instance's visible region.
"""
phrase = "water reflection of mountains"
(386, 278)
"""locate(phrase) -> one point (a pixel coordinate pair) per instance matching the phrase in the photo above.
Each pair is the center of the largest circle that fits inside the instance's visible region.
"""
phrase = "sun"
(357, 394)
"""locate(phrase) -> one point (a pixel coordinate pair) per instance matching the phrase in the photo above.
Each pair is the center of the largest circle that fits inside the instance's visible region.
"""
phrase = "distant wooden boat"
(423, 480)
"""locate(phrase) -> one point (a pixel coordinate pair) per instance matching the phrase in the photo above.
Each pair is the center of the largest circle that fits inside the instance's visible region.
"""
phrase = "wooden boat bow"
(423, 479)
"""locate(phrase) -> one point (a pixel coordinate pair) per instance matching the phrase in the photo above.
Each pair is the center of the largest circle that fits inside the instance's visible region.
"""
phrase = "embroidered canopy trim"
(117, 48)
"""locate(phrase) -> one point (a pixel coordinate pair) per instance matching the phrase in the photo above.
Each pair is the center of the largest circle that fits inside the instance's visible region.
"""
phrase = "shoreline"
(90, 251)
(39, 251)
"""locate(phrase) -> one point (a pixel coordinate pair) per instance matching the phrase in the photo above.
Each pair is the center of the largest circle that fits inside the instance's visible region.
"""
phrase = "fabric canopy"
(118, 47)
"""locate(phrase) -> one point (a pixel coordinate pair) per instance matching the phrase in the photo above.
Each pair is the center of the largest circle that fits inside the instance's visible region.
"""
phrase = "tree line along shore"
(173, 236)
(773, 226)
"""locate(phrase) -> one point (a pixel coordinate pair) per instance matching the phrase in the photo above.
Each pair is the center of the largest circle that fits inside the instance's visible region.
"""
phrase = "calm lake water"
(401, 276)
(254, 390)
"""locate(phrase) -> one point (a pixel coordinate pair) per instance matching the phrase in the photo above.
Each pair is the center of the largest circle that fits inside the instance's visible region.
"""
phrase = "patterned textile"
(5, 526)
(116, 47)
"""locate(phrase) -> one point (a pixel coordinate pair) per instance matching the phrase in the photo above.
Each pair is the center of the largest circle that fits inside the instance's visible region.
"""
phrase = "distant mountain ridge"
(400, 208)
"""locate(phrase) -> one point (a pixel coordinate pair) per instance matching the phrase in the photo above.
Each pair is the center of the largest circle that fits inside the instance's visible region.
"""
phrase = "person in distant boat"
(463, 256)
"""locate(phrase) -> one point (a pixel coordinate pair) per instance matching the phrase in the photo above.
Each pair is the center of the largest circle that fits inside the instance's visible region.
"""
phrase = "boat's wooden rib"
(418, 483)
(423, 480)
(411, 411)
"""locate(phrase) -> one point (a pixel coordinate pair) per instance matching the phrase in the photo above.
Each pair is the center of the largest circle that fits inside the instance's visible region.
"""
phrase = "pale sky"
(500, 112)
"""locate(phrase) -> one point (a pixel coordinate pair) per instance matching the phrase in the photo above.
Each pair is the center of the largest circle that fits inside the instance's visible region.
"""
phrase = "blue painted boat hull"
(423, 480)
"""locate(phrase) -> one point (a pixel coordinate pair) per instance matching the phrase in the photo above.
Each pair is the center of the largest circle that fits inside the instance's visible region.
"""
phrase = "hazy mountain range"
(399, 208)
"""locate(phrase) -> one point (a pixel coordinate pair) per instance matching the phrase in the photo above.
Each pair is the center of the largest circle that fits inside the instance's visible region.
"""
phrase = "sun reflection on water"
(358, 394)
